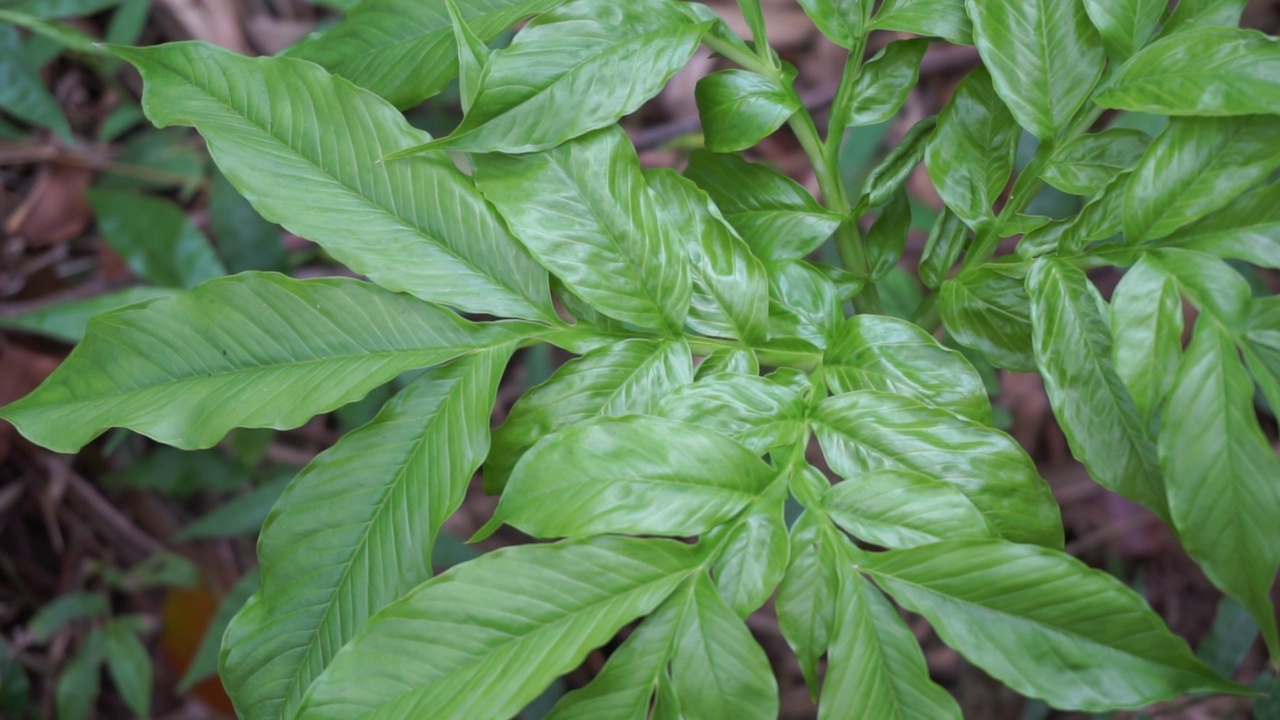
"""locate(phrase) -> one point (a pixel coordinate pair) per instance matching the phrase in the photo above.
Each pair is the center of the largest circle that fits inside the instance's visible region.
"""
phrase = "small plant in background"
(632, 449)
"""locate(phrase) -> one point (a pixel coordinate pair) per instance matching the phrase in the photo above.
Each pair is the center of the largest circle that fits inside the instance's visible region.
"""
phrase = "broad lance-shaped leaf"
(404, 50)
(1194, 167)
(874, 352)
(575, 69)
(755, 557)
(354, 532)
(730, 290)
(67, 320)
(902, 509)
(1206, 71)
(585, 212)
(1212, 285)
(946, 19)
(473, 54)
(1044, 624)
(875, 668)
(1125, 25)
(1222, 475)
(155, 237)
(254, 350)
(1088, 163)
(867, 430)
(628, 377)
(756, 412)
(1146, 323)
(634, 474)
(985, 308)
(1073, 348)
(486, 637)
(305, 147)
(1044, 57)
(882, 87)
(778, 218)
(739, 108)
(1191, 14)
(1247, 229)
(808, 593)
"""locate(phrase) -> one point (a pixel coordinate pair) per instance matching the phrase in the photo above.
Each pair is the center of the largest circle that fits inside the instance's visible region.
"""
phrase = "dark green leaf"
(970, 155)
(778, 218)
(882, 87)
(1146, 323)
(81, 679)
(844, 22)
(156, 239)
(1230, 638)
(740, 108)
(887, 238)
(1262, 348)
(986, 308)
(1088, 163)
(756, 412)
(245, 240)
(242, 516)
(65, 609)
(1222, 475)
(1044, 624)
(902, 509)
(946, 19)
(22, 92)
(585, 212)
(1246, 229)
(68, 320)
(129, 664)
(889, 176)
(947, 240)
(866, 430)
(1126, 25)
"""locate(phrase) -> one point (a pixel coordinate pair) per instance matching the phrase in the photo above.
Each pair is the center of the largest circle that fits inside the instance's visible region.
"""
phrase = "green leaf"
(1044, 57)
(305, 148)
(844, 22)
(887, 238)
(970, 155)
(585, 212)
(883, 85)
(473, 55)
(1262, 348)
(405, 50)
(1222, 475)
(81, 680)
(902, 509)
(1212, 285)
(866, 430)
(1229, 639)
(1246, 229)
(1146, 323)
(755, 557)
(1194, 167)
(740, 108)
(129, 664)
(204, 664)
(874, 352)
(1126, 25)
(755, 412)
(354, 531)
(803, 303)
(65, 609)
(986, 308)
(633, 474)
(60, 8)
(628, 377)
(1044, 624)
(718, 669)
(155, 238)
(68, 320)
(1073, 349)
(891, 174)
(807, 596)
(1101, 218)
(875, 668)
(1088, 163)
(778, 218)
(730, 290)
(946, 19)
(242, 516)
(948, 238)
(728, 360)
(61, 33)
(255, 350)
(1191, 14)
(1206, 71)
(245, 240)
(22, 92)
(577, 68)
(486, 637)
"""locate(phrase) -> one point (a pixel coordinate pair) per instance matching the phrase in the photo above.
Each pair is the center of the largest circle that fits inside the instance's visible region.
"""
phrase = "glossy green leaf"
(633, 474)
(779, 219)
(728, 360)
(64, 609)
(755, 412)
(485, 638)
(947, 240)
(1146, 324)
(129, 665)
(404, 50)
(875, 668)
(718, 669)
(1246, 229)
(740, 108)
(631, 376)
(730, 288)
(81, 679)
(874, 352)
(1194, 167)
(67, 320)
(902, 509)
(844, 22)
(577, 68)
(803, 303)
(204, 664)
(585, 212)
(1101, 218)
(1206, 71)
(255, 350)
(381, 495)
(755, 557)
(22, 92)
(1073, 346)
(891, 173)
(867, 430)
(887, 237)
(1088, 163)
(1044, 57)
(970, 155)
(807, 596)
(1126, 25)
(946, 19)
(1212, 285)
(156, 238)
(1222, 474)
(1044, 624)
(884, 83)
(986, 308)
(1191, 14)
(322, 179)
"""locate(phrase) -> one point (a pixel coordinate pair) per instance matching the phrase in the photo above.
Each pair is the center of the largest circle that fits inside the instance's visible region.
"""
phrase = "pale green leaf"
(1126, 25)
(739, 108)
(902, 509)
(986, 308)
(946, 19)
(755, 557)
(755, 412)
(155, 238)
(1246, 229)
(803, 303)
(473, 54)
(1146, 323)
(807, 596)
(728, 360)
(1191, 14)
(1088, 163)
(1210, 284)
(67, 320)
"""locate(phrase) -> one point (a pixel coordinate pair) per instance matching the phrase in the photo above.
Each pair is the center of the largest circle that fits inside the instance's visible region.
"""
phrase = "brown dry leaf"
(55, 210)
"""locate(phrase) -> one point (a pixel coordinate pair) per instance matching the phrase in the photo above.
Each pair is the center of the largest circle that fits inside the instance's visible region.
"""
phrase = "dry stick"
(101, 509)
